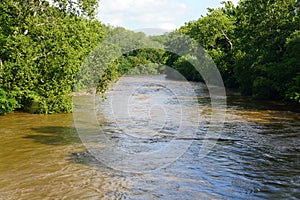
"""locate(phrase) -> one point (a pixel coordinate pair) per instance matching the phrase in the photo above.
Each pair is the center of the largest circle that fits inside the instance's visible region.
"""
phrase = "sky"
(156, 14)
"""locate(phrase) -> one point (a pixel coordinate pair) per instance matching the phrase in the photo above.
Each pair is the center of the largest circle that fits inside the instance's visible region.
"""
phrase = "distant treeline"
(255, 45)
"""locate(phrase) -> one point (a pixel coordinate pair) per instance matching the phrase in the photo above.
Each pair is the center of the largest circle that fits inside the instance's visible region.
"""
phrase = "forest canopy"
(255, 45)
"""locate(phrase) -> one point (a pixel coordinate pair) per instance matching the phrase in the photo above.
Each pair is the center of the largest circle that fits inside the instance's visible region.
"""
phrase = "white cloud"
(135, 14)
(167, 26)
(235, 2)
(165, 14)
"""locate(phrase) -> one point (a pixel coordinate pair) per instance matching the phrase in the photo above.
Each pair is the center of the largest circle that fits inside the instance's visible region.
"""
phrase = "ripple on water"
(258, 156)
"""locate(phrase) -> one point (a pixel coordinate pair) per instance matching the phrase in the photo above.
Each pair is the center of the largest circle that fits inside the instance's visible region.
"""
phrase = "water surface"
(257, 157)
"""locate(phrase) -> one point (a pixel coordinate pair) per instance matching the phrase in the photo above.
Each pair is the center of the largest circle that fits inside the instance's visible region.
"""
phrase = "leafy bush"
(186, 69)
(7, 103)
(293, 92)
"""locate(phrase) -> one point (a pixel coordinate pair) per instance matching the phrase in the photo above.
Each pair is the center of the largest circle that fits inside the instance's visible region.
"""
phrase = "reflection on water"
(42, 157)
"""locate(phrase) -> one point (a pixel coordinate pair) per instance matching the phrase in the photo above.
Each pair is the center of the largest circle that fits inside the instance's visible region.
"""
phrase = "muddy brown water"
(42, 157)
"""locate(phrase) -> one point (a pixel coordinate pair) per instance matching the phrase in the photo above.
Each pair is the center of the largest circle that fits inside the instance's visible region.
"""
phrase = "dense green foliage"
(255, 45)
(42, 48)
(7, 103)
(46, 49)
(123, 52)
(136, 60)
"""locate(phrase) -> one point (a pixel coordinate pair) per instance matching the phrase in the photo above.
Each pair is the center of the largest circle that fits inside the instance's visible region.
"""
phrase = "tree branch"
(41, 56)
(228, 40)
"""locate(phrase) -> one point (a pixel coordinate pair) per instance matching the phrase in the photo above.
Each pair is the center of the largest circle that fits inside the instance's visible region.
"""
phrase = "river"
(256, 155)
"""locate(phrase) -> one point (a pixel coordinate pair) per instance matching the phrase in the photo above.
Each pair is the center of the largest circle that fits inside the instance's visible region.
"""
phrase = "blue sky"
(160, 14)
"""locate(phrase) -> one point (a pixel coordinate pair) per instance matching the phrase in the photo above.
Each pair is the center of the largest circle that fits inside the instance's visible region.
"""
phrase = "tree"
(215, 32)
(255, 46)
(42, 48)
(262, 29)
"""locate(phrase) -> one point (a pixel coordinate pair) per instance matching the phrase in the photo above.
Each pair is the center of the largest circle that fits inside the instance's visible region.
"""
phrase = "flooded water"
(256, 155)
